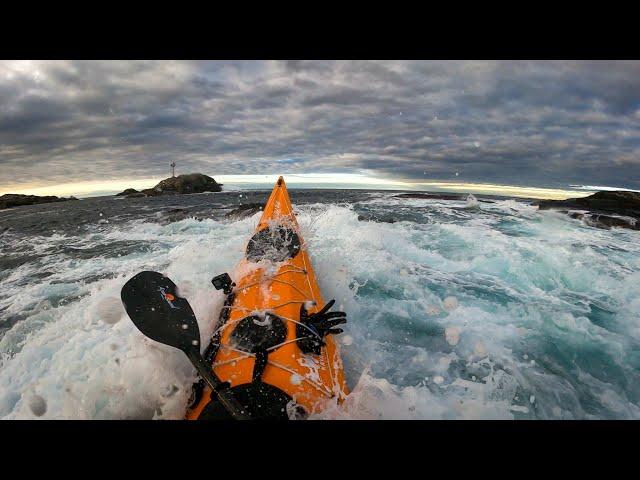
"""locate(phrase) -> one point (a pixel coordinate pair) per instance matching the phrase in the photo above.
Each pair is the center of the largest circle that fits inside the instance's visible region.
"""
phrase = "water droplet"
(185, 326)
(450, 303)
(452, 335)
(480, 350)
(109, 310)
(38, 405)
(195, 342)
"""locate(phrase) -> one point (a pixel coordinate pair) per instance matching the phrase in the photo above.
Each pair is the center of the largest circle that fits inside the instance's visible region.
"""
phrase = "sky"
(547, 127)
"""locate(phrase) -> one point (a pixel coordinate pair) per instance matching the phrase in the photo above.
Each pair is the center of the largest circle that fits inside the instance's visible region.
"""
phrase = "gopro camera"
(223, 282)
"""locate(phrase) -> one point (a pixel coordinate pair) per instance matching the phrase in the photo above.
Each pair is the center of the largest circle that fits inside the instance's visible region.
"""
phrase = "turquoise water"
(459, 309)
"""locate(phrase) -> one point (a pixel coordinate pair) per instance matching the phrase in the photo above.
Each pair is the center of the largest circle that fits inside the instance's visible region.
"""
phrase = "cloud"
(527, 123)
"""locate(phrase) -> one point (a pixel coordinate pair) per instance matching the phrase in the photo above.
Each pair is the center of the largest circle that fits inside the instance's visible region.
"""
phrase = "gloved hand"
(319, 325)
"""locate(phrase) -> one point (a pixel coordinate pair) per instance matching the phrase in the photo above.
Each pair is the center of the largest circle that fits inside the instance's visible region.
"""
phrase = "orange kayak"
(262, 346)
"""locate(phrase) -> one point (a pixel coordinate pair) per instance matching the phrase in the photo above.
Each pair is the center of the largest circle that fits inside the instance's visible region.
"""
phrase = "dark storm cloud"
(527, 123)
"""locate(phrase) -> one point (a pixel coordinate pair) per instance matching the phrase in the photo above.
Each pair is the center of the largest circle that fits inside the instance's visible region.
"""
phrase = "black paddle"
(153, 305)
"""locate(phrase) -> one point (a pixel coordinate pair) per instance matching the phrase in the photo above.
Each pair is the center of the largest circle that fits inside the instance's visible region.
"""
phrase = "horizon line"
(84, 189)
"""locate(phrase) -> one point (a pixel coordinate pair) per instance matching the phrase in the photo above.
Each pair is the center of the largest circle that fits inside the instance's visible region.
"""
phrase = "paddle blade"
(152, 303)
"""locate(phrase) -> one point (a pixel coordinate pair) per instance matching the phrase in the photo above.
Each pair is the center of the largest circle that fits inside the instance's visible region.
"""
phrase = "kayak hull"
(279, 288)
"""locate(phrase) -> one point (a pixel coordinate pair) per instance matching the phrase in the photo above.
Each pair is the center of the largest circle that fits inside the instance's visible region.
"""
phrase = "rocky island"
(620, 208)
(182, 184)
(10, 200)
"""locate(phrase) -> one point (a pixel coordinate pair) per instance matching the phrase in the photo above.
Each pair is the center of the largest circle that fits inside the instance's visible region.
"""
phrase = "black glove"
(318, 326)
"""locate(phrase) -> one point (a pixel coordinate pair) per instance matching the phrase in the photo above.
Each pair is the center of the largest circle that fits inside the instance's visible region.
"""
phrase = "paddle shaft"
(225, 397)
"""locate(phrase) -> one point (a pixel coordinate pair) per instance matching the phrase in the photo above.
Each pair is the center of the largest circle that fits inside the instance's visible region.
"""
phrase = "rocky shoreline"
(605, 209)
(10, 200)
(440, 196)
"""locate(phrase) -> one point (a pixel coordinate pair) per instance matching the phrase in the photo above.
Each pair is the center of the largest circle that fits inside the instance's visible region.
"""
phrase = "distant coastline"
(11, 200)
(91, 189)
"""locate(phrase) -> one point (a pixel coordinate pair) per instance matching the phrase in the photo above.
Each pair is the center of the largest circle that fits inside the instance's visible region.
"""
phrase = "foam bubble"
(433, 310)
(450, 303)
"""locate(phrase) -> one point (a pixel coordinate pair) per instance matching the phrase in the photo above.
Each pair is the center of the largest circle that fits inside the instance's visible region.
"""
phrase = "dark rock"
(182, 184)
(576, 215)
(244, 211)
(604, 221)
(444, 196)
(621, 202)
(190, 183)
(9, 200)
(432, 196)
(127, 192)
(176, 215)
(598, 205)
(375, 218)
(152, 192)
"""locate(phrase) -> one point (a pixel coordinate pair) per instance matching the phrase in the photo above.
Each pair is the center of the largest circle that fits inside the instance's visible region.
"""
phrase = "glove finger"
(325, 324)
(335, 330)
(334, 315)
(337, 321)
(326, 307)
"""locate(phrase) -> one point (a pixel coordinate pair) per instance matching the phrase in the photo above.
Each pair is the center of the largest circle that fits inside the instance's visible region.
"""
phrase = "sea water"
(456, 309)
